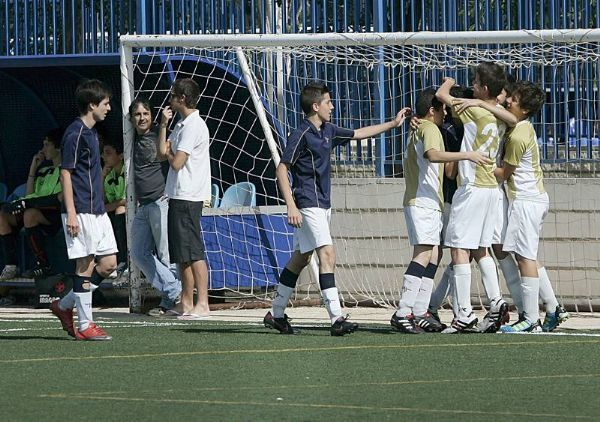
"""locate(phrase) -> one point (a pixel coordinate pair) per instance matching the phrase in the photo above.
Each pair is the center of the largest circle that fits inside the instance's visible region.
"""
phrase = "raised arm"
(370, 131)
(164, 146)
(443, 92)
(294, 216)
(501, 113)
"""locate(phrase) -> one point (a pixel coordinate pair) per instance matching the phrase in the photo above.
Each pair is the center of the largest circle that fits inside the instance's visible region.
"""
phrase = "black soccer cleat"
(468, 325)
(341, 327)
(406, 324)
(429, 323)
(280, 324)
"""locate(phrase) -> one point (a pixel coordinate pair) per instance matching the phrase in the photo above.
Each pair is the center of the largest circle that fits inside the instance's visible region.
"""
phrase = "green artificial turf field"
(170, 370)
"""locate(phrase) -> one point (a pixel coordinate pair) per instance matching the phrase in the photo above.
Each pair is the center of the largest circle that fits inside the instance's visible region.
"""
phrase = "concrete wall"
(372, 247)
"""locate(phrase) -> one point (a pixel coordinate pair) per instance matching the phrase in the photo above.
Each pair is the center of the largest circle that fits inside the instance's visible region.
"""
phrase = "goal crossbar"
(370, 39)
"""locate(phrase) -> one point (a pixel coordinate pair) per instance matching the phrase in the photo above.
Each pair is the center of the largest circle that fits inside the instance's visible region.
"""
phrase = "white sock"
(331, 298)
(452, 293)
(280, 302)
(489, 276)
(546, 291)
(531, 287)
(442, 289)
(410, 289)
(423, 297)
(510, 270)
(83, 301)
(68, 301)
(462, 282)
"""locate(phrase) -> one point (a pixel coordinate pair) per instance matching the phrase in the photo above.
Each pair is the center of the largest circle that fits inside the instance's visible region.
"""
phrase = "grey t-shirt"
(149, 172)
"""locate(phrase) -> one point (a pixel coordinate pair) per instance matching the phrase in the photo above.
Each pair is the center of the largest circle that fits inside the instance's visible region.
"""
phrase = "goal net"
(250, 100)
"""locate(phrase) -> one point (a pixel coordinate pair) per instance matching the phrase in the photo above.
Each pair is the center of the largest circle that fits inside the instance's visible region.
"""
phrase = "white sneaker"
(9, 272)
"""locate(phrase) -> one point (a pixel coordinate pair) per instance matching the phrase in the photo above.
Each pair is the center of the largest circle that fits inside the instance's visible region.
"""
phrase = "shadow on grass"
(197, 329)
(35, 338)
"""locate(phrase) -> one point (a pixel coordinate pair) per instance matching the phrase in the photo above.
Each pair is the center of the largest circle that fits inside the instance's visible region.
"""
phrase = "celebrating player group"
(473, 184)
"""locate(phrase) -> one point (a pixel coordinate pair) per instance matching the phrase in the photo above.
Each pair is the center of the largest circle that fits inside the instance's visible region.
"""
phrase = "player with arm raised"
(307, 156)
(423, 202)
(474, 205)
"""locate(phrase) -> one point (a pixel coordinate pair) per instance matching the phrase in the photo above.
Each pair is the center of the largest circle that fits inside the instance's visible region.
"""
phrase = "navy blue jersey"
(308, 152)
(452, 134)
(81, 154)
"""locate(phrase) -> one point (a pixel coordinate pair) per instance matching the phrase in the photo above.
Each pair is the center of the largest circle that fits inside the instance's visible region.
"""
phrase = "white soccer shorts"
(95, 236)
(502, 220)
(525, 221)
(424, 225)
(314, 231)
(472, 218)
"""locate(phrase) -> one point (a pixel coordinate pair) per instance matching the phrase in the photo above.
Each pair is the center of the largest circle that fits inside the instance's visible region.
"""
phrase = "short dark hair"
(189, 88)
(55, 136)
(312, 93)
(139, 101)
(510, 84)
(458, 91)
(491, 75)
(531, 96)
(425, 100)
(90, 91)
(116, 145)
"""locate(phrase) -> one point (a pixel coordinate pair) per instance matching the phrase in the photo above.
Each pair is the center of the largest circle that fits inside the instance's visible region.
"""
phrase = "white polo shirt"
(192, 182)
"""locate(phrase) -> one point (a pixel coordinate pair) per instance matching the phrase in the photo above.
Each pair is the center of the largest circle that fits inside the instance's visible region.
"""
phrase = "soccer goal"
(250, 100)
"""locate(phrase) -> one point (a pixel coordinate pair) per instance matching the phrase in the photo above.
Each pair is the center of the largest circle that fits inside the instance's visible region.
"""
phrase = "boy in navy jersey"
(88, 232)
(307, 156)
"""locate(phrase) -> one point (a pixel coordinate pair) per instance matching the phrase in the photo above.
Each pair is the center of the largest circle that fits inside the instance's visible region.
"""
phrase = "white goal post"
(250, 86)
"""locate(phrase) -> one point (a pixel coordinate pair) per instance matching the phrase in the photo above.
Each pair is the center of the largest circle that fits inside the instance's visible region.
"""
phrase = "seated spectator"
(114, 196)
(38, 211)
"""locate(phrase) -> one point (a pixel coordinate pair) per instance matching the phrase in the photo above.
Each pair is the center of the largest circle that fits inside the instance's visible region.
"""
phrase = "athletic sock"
(462, 283)
(83, 302)
(410, 288)
(442, 290)
(530, 287)
(509, 269)
(546, 291)
(35, 238)
(9, 246)
(331, 296)
(425, 290)
(489, 276)
(285, 289)
(68, 301)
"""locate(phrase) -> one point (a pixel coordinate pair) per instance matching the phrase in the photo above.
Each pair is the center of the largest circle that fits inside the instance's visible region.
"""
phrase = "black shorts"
(54, 218)
(185, 231)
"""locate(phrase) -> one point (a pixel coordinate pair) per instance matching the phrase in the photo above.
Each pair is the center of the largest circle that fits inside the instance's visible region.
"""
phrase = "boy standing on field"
(188, 186)
(88, 232)
(423, 203)
(307, 156)
(474, 205)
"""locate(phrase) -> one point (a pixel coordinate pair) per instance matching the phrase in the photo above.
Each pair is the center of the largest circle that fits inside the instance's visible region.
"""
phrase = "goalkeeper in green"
(38, 211)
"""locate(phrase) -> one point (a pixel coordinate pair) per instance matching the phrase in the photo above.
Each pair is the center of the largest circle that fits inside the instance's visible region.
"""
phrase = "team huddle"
(473, 184)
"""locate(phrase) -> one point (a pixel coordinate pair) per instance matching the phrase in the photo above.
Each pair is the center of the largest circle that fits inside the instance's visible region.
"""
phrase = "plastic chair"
(3, 191)
(241, 194)
(214, 196)
(19, 192)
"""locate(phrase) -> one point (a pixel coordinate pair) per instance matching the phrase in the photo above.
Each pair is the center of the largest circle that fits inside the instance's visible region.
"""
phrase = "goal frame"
(129, 42)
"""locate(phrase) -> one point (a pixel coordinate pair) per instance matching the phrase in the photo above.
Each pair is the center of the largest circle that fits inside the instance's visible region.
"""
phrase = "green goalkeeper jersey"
(114, 185)
(47, 182)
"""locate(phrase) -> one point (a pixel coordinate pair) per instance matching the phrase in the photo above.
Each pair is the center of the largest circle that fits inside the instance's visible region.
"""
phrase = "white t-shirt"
(192, 182)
